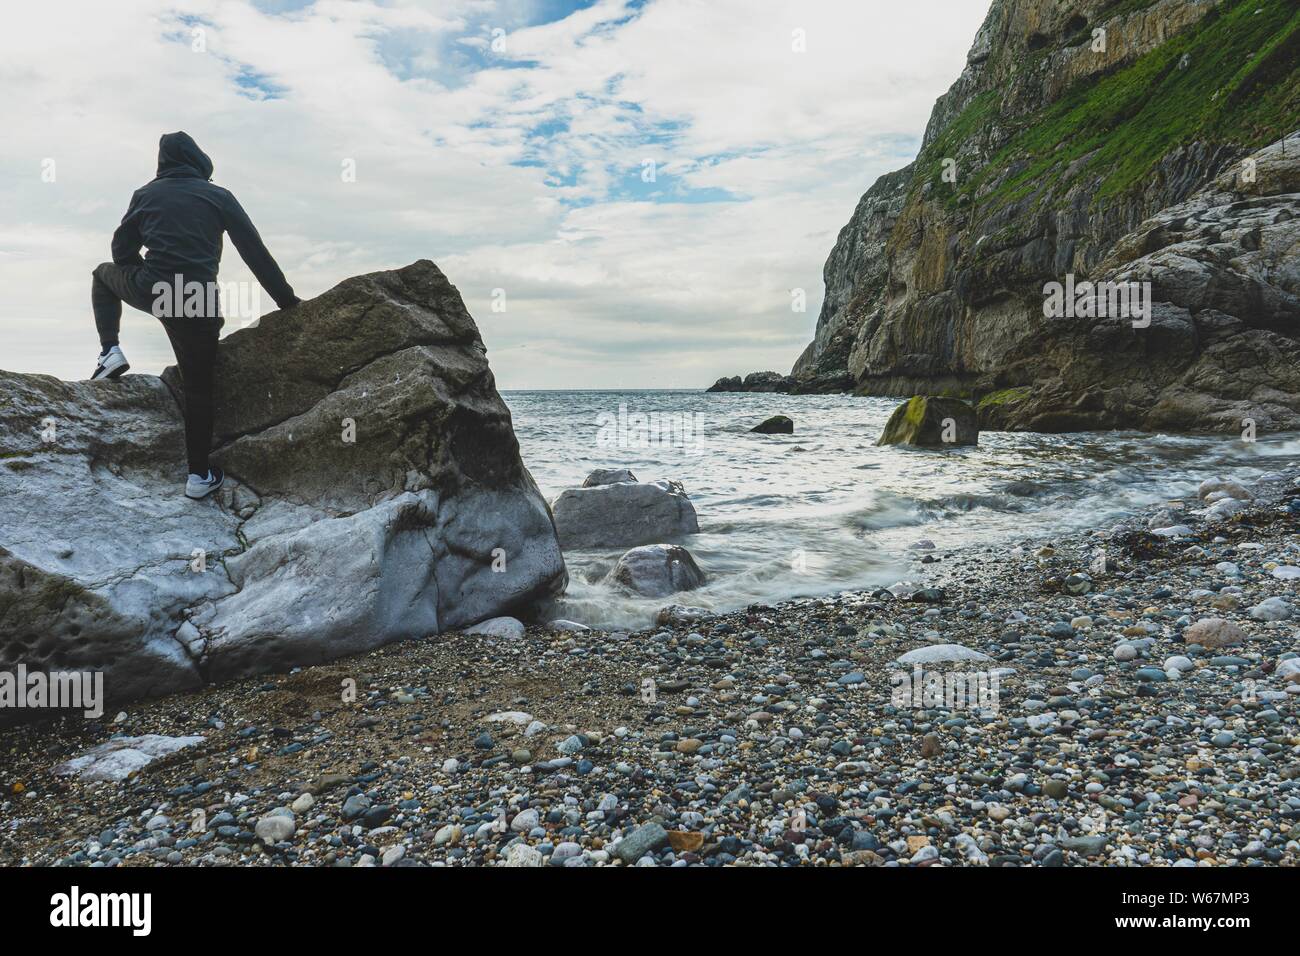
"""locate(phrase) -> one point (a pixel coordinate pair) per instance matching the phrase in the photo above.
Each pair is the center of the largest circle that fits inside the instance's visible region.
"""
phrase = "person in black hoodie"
(179, 217)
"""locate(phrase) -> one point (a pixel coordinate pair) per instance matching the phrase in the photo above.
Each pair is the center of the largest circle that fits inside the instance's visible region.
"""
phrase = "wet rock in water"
(503, 628)
(753, 382)
(608, 476)
(120, 757)
(679, 615)
(369, 424)
(931, 422)
(1224, 508)
(776, 425)
(1216, 489)
(1213, 632)
(657, 570)
(623, 515)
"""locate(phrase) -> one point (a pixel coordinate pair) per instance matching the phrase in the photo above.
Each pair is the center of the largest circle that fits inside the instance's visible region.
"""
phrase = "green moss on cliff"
(1234, 78)
(1006, 396)
(979, 112)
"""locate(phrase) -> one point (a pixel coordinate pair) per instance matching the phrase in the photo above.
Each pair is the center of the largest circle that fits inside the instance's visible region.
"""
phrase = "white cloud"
(519, 170)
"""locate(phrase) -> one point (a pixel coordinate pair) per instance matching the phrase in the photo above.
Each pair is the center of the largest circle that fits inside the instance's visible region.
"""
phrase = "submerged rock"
(657, 570)
(928, 422)
(608, 476)
(680, 615)
(776, 425)
(375, 492)
(623, 515)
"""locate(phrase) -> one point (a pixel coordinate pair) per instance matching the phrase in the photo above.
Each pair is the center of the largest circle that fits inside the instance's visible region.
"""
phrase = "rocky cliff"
(375, 492)
(1087, 141)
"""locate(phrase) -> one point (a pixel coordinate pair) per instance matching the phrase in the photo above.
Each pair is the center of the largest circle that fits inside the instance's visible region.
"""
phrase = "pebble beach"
(1139, 688)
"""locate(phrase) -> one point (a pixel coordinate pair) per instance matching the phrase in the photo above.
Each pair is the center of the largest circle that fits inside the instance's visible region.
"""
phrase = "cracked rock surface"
(373, 476)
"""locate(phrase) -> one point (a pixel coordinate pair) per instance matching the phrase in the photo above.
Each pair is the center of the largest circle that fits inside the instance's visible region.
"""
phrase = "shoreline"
(773, 738)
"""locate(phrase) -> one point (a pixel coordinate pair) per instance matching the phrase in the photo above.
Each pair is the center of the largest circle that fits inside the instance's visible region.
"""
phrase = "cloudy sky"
(645, 181)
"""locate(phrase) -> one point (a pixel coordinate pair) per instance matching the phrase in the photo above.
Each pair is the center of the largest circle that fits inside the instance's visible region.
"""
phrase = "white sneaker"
(197, 486)
(111, 364)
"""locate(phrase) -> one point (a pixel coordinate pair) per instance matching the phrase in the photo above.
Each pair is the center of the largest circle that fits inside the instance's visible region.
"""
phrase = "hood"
(180, 156)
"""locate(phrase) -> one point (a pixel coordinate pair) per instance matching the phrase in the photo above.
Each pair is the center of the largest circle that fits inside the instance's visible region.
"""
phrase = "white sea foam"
(825, 510)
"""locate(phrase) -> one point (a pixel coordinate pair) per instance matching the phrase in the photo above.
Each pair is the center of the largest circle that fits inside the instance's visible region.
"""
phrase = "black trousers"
(194, 341)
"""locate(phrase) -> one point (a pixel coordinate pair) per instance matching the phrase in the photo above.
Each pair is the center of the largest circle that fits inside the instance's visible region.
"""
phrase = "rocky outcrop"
(1222, 348)
(855, 277)
(375, 493)
(1096, 140)
(624, 515)
(657, 570)
(928, 422)
(754, 382)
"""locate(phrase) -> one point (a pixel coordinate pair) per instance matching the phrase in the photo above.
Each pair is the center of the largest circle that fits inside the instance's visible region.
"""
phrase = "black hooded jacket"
(180, 216)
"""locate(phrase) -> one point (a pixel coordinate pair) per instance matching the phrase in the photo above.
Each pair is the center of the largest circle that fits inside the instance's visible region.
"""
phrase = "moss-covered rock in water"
(776, 425)
(931, 422)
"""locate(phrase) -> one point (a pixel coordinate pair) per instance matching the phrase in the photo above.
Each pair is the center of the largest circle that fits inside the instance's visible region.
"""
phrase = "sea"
(825, 510)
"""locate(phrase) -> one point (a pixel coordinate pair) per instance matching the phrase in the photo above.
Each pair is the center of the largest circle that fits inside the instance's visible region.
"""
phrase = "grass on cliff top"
(1240, 83)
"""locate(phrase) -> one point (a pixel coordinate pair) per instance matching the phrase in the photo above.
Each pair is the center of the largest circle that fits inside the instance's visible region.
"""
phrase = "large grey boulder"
(624, 515)
(375, 493)
(657, 570)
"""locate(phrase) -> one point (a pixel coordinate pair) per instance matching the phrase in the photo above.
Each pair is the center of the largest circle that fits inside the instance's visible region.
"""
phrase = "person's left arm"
(253, 251)
(126, 238)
